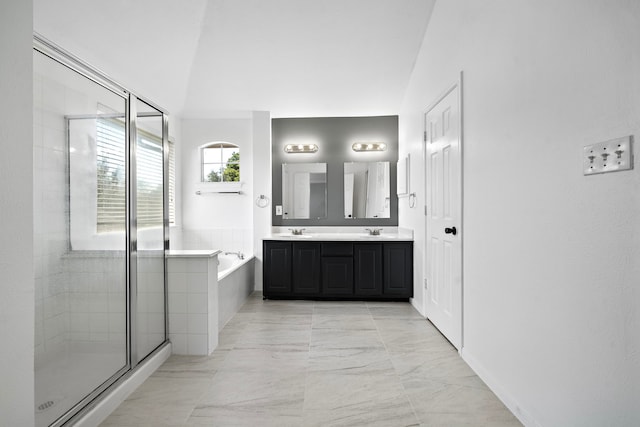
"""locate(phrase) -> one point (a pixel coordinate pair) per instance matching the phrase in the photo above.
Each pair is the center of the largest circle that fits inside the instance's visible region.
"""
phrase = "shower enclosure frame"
(133, 360)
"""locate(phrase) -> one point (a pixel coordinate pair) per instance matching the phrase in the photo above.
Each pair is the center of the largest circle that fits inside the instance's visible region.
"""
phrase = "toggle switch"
(608, 156)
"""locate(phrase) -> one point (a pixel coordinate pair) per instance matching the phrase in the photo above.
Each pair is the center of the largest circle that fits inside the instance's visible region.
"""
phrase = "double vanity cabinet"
(338, 269)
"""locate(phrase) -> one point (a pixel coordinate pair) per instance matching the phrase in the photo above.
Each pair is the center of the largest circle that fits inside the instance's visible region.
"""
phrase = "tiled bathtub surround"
(228, 239)
(305, 363)
(235, 285)
(193, 301)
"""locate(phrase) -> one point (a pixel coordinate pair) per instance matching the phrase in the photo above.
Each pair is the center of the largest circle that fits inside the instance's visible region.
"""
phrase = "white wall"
(261, 186)
(551, 258)
(16, 220)
(175, 135)
(222, 220)
(225, 221)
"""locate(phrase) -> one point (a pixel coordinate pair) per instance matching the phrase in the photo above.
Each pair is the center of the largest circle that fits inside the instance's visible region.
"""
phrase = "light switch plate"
(608, 156)
(278, 210)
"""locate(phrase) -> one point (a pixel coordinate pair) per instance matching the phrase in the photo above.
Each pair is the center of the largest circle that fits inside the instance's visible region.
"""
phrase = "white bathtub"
(227, 264)
(235, 284)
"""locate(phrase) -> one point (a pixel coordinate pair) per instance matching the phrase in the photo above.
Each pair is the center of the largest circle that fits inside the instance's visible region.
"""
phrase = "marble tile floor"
(313, 363)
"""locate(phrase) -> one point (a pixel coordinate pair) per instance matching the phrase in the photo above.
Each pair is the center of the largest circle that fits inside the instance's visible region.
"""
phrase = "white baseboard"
(111, 401)
(509, 401)
(417, 307)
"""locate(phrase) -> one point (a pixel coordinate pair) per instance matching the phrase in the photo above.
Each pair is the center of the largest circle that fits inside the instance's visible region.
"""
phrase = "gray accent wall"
(334, 137)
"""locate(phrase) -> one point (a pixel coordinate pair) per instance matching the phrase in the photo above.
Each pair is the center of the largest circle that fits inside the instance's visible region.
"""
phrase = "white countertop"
(347, 236)
(193, 253)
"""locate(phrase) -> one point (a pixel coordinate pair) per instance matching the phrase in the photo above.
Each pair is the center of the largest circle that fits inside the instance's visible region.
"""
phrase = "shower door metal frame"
(133, 360)
(132, 227)
(132, 201)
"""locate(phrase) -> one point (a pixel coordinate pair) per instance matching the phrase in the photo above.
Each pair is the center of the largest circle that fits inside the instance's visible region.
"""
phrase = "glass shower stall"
(100, 230)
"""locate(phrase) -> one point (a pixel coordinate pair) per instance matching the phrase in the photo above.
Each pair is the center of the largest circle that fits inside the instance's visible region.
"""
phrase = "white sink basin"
(294, 236)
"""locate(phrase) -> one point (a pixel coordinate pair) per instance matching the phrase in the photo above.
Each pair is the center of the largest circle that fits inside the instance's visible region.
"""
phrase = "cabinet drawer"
(337, 249)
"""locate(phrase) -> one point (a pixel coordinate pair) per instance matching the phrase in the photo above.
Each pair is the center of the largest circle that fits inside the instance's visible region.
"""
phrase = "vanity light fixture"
(369, 146)
(300, 148)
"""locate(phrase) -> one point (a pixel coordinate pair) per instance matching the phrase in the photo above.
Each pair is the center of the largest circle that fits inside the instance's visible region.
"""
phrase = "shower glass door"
(80, 181)
(100, 233)
(149, 220)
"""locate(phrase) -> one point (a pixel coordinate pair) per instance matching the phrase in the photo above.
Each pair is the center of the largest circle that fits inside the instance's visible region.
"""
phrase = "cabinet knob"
(451, 230)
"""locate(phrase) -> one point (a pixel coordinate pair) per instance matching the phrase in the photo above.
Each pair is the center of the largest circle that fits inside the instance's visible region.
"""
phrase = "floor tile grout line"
(386, 349)
(306, 370)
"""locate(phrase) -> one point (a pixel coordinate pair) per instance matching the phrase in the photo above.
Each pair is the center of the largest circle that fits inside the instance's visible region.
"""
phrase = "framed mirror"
(367, 190)
(304, 190)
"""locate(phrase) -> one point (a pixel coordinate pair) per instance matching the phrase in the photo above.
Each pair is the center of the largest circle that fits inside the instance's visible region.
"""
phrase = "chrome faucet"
(374, 231)
(296, 231)
(239, 254)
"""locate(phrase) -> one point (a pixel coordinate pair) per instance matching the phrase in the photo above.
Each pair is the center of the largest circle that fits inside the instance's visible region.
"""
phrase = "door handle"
(451, 230)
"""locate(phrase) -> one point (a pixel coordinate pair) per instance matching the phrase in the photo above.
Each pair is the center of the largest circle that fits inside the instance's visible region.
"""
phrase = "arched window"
(220, 162)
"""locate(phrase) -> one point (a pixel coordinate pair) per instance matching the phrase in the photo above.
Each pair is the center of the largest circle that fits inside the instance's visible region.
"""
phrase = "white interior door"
(443, 238)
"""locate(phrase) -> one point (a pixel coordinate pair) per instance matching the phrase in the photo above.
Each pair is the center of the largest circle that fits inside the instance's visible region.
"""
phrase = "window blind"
(150, 184)
(172, 183)
(110, 156)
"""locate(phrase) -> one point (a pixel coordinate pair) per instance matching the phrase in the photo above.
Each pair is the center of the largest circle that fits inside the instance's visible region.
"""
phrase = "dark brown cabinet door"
(337, 276)
(368, 269)
(398, 270)
(306, 269)
(277, 268)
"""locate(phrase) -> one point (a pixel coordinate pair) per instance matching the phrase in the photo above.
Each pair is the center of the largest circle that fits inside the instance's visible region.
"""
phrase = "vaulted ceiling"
(295, 58)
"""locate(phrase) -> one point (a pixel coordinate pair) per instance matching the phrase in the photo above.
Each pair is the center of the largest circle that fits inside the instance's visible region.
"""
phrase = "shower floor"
(66, 378)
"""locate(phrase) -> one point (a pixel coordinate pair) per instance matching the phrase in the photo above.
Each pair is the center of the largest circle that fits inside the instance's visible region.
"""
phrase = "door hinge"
(425, 136)
(425, 284)
(425, 210)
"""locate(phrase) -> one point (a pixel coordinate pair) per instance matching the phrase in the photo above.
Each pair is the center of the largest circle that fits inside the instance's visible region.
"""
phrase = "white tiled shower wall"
(51, 213)
(95, 290)
(150, 300)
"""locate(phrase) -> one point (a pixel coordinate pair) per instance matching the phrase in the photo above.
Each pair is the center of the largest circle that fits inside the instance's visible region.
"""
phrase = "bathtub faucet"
(239, 254)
